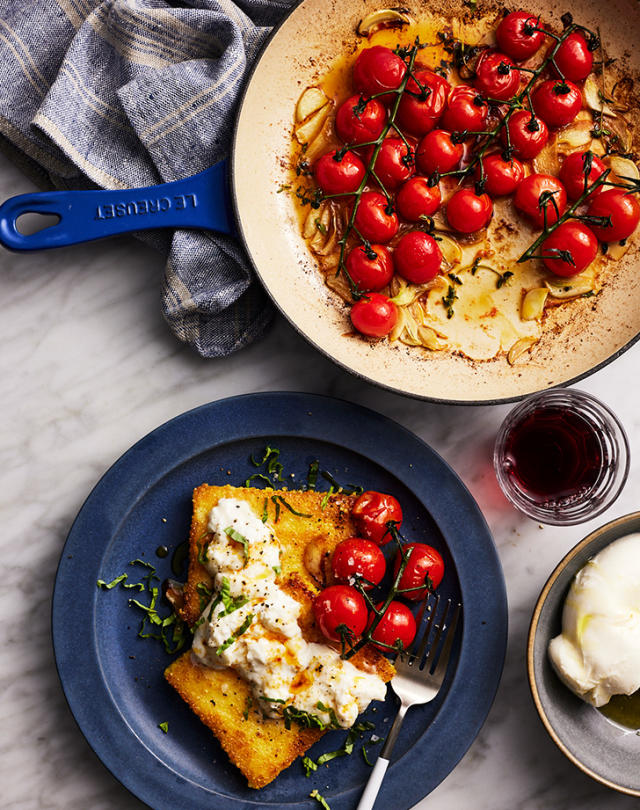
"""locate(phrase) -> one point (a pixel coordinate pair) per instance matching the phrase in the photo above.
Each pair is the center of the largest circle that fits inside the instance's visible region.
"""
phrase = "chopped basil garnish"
(277, 569)
(309, 765)
(236, 635)
(239, 538)
(289, 507)
(164, 727)
(312, 475)
(320, 799)
(365, 757)
(247, 707)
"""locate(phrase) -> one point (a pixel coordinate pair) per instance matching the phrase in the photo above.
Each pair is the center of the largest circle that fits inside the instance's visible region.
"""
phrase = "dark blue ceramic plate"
(113, 680)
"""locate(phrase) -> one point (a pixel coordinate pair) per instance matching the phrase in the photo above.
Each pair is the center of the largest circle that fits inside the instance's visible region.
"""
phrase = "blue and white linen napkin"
(125, 93)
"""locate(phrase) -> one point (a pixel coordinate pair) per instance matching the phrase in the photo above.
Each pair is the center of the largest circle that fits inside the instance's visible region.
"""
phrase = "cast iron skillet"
(578, 338)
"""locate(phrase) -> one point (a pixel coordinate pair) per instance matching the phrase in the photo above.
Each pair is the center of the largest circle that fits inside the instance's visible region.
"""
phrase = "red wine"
(554, 454)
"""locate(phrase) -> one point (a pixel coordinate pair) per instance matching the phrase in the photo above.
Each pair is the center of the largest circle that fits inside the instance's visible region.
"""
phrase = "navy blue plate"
(113, 680)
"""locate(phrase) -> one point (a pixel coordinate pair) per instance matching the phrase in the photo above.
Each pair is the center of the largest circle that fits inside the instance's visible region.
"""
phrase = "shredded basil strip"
(365, 757)
(309, 765)
(320, 799)
(107, 586)
(239, 538)
(236, 635)
(325, 500)
(164, 727)
(290, 508)
(265, 510)
(312, 475)
(277, 569)
(247, 707)
(274, 498)
(258, 477)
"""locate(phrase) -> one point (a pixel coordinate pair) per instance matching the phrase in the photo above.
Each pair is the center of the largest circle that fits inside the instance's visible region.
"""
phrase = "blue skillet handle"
(201, 201)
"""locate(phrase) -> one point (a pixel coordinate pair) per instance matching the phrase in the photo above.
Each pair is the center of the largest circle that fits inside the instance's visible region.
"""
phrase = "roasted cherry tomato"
(417, 199)
(528, 134)
(496, 76)
(373, 220)
(557, 102)
(358, 558)
(370, 268)
(378, 69)
(501, 176)
(397, 627)
(394, 163)
(436, 152)
(338, 176)
(468, 212)
(624, 211)
(374, 315)
(417, 257)
(340, 605)
(573, 169)
(540, 192)
(419, 113)
(466, 110)
(569, 249)
(517, 36)
(372, 511)
(359, 126)
(425, 566)
(573, 58)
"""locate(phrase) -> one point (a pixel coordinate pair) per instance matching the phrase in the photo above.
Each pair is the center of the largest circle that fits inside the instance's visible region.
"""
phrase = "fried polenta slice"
(259, 746)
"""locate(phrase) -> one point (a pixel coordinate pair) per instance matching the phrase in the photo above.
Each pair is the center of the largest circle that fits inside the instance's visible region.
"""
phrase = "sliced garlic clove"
(309, 228)
(623, 167)
(547, 161)
(593, 96)
(450, 249)
(339, 285)
(430, 340)
(383, 18)
(519, 348)
(406, 295)
(397, 330)
(320, 144)
(565, 288)
(533, 304)
(322, 223)
(310, 128)
(309, 102)
(575, 137)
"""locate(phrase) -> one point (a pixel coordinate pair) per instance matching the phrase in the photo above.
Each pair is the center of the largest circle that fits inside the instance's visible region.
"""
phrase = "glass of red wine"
(562, 457)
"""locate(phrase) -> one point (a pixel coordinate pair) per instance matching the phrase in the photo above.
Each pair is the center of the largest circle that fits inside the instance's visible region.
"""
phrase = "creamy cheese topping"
(598, 653)
(260, 637)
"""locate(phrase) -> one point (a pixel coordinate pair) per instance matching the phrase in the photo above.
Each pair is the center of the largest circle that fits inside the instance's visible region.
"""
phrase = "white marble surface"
(88, 367)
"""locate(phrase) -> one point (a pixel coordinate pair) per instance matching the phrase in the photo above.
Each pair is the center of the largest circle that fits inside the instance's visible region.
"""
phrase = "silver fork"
(415, 683)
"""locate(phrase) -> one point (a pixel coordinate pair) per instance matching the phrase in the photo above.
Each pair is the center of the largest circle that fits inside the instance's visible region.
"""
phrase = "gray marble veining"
(88, 367)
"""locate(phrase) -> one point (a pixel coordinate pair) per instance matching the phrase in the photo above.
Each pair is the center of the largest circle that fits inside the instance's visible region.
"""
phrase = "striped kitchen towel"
(125, 93)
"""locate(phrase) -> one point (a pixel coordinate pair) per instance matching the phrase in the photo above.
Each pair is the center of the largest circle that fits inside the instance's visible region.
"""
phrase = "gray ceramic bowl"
(600, 748)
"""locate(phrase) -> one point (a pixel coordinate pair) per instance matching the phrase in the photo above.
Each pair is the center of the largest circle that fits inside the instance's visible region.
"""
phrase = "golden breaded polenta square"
(261, 747)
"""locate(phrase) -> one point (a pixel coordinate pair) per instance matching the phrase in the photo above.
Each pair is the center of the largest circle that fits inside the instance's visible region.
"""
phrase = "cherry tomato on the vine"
(421, 107)
(557, 102)
(569, 249)
(417, 257)
(496, 76)
(573, 59)
(338, 176)
(417, 199)
(624, 210)
(528, 134)
(340, 605)
(372, 511)
(358, 122)
(436, 152)
(394, 163)
(424, 561)
(374, 315)
(358, 557)
(468, 212)
(540, 192)
(517, 36)
(397, 626)
(373, 220)
(501, 177)
(573, 172)
(378, 69)
(371, 268)
(466, 110)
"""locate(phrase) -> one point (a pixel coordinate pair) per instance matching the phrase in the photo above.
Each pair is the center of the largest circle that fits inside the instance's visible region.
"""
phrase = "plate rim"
(322, 407)
(612, 525)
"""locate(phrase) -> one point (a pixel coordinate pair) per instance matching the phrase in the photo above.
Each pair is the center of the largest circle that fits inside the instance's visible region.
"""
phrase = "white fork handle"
(368, 798)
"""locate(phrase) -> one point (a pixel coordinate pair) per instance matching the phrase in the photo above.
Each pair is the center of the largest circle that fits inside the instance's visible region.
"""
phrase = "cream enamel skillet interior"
(577, 337)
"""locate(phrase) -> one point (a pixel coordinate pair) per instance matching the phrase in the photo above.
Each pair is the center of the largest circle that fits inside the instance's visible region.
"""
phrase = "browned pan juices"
(490, 320)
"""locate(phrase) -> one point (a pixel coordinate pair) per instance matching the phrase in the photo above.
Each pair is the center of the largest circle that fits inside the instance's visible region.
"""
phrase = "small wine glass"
(561, 457)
